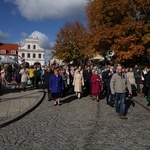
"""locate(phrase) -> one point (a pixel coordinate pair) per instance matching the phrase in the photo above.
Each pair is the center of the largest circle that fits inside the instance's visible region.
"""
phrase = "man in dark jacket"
(108, 76)
(9, 73)
(87, 79)
(148, 86)
(37, 75)
(47, 74)
(137, 76)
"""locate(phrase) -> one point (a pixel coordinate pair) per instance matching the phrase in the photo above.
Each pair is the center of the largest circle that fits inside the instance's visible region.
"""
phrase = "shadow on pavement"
(128, 104)
(69, 99)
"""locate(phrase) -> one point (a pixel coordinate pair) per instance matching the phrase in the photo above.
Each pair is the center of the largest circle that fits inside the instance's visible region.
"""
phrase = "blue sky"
(41, 18)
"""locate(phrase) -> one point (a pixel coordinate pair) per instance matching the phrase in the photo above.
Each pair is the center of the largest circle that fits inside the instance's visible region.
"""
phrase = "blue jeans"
(120, 107)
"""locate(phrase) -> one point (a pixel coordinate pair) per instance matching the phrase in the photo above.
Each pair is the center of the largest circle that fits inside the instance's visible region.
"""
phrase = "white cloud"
(3, 35)
(43, 9)
(43, 42)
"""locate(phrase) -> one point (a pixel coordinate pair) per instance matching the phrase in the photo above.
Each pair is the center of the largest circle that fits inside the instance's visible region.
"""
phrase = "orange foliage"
(71, 42)
(122, 26)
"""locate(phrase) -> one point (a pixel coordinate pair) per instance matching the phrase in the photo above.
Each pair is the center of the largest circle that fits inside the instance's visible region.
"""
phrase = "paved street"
(79, 124)
(15, 103)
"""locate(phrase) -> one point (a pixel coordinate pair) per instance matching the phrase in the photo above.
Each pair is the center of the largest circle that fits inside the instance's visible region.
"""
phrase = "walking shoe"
(107, 103)
(97, 100)
(123, 117)
(117, 114)
(55, 103)
(112, 105)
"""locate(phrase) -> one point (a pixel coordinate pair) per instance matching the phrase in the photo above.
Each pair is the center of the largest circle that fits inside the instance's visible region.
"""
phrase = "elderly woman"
(78, 82)
(56, 86)
(96, 85)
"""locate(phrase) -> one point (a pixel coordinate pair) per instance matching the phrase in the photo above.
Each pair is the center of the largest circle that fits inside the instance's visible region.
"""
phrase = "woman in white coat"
(78, 82)
(24, 78)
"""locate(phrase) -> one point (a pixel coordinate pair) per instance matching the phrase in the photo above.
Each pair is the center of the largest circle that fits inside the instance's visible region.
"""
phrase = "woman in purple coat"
(56, 86)
(96, 83)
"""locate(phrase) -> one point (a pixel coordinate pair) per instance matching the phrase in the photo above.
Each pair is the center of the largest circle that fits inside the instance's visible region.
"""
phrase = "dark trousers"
(109, 97)
(145, 89)
(87, 87)
(137, 81)
(9, 76)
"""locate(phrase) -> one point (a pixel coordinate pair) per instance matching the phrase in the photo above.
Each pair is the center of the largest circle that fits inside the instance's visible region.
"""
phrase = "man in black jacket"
(47, 75)
(87, 79)
(108, 75)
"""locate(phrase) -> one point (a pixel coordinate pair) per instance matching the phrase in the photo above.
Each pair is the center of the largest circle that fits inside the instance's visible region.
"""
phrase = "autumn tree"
(71, 43)
(120, 25)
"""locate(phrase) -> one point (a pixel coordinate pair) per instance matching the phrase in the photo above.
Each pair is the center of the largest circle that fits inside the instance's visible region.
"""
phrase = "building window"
(3, 51)
(39, 55)
(23, 55)
(34, 46)
(13, 52)
(34, 55)
(28, 46)
(28, 55)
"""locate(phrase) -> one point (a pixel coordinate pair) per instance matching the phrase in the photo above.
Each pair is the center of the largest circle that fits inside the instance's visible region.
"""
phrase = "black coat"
(47, 76)
(87, 75)
(148, 79)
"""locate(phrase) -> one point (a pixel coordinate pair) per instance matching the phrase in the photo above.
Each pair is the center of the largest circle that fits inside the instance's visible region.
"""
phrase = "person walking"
(56, 86)
(148, 86)
(118, 84)
(31, 74)
(137, 76)
(47, 74)
(37, 75)
(143, 78)
(87, 79)
(78, 83)
(96, 84)
(17, 76)
(64, 77)
(107, 76)
(131, 78)
(3, 77)
(24, 77)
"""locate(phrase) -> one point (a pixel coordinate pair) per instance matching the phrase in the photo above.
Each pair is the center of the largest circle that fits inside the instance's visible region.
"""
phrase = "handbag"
(29, 82)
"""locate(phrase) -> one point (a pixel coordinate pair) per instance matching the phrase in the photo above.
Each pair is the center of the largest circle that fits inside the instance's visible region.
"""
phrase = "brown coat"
(78, 82)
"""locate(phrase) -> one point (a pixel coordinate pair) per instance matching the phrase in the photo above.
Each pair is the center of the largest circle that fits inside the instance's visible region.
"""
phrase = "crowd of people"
(114, 81)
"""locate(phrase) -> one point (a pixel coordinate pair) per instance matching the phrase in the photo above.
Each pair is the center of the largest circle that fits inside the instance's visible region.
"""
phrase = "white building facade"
(31, 52)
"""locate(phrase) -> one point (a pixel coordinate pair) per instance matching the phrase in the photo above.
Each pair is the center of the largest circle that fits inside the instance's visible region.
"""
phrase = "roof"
(8, 47)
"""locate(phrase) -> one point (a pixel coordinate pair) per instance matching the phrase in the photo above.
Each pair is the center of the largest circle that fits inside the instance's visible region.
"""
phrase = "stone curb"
(25, 112)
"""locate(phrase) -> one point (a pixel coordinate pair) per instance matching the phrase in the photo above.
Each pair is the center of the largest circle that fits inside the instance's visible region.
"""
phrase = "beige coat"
(78, 82)
(131, 78)
(24, 75)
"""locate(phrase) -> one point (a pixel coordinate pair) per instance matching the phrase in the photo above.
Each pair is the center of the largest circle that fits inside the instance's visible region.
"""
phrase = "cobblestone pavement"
(79, 124)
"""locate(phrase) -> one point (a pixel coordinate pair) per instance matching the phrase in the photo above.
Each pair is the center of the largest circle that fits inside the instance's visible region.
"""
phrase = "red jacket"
(96, 84)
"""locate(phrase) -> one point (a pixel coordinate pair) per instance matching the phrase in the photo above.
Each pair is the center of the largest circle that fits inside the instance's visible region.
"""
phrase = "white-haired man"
(118, 84)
